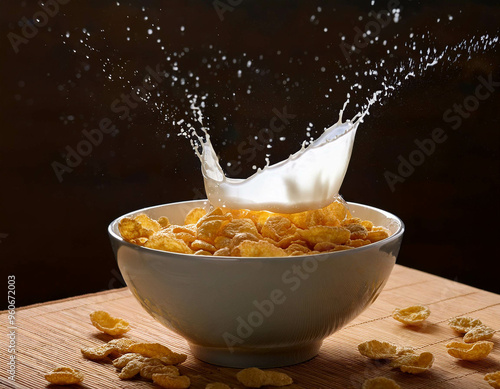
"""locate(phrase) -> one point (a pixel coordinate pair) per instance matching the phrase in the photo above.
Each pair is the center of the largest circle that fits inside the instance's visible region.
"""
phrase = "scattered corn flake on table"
(51, 334)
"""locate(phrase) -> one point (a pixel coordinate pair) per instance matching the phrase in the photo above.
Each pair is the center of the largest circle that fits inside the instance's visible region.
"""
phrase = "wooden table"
(51, 334)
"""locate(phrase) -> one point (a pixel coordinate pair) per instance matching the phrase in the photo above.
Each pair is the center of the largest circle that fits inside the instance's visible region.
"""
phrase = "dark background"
(64, 79)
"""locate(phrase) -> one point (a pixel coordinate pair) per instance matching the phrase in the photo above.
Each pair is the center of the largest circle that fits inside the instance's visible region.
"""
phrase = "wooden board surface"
(51, 334)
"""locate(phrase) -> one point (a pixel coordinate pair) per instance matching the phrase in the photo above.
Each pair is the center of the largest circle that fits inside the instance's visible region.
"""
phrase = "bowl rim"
(113, 235)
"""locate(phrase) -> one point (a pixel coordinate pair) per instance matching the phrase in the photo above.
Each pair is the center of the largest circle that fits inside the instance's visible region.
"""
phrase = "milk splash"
(308, 179)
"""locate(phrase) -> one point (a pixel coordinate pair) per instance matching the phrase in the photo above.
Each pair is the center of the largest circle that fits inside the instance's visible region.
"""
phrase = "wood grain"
(51, 334)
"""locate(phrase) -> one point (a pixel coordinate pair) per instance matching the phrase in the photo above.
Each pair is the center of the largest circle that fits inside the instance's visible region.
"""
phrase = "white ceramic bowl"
(264, 312)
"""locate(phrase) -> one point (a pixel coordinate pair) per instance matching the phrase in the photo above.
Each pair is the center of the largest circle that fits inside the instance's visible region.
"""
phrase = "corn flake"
(188, 229)
(413, 315)
(238, 226)
(215, 215)
(202, 252)
(98, 352)
(209, 229)
(148, 223)
(164, 222)
(298, 248)
(121, 345)
(241, 237)
(288, 240)
(255, 378)
(337, 210)
(262, 248)
(480, 332)
(325, 246)
(380, 383)
(357, 230)
(259, 218)
(357, 242)
(64, 376)
(138, 229)
(108, 324)
(413, 363)
(339, 247)
(134, 363)
(166, 241)
(131, 369)
(194, 216)
(186, 237)
(102, 351)
(156, 350)
(223, 252)
(169, 382)
(221, 242)
(148, 369)
(199, 244)
(122, 361)
(403, 350)
(470, 351)
(375, 349)
(317, 234)
(367, 224)
(463, 324)
(277, 228)
(493, 379)
(351, 220)
(139, 241)
(375, 236)
(129, 229)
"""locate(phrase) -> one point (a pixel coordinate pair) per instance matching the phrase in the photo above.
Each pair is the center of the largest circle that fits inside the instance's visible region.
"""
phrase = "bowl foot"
(256, 357)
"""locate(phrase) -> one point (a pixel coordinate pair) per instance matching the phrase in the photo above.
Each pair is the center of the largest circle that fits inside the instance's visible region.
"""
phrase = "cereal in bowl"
(244, 233)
